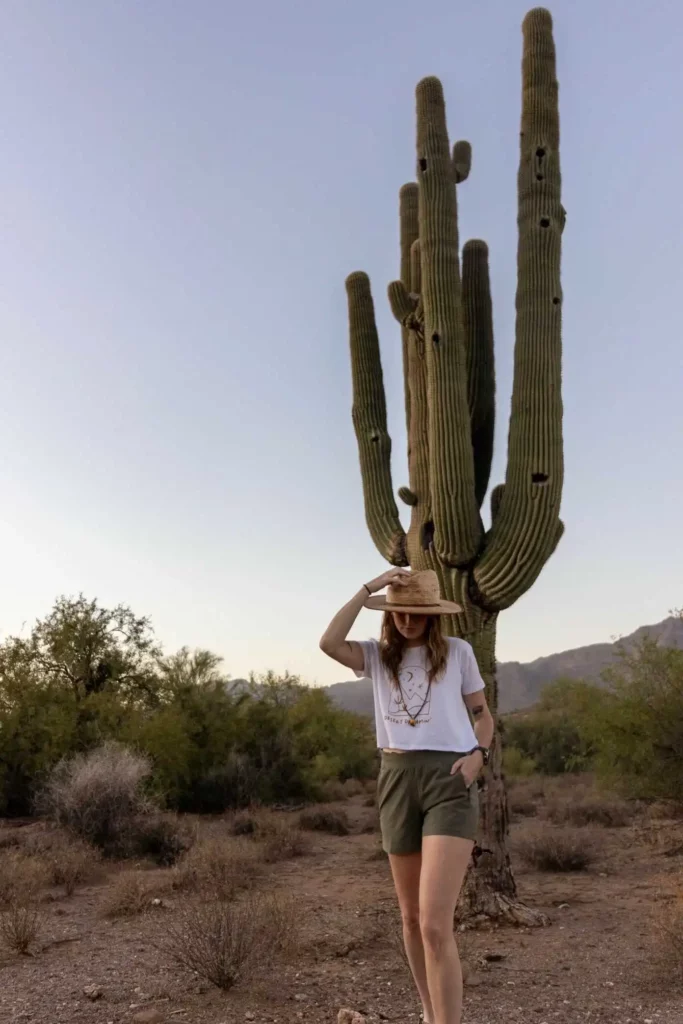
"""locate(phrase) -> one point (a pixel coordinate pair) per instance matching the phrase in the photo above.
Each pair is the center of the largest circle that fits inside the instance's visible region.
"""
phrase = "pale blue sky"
(185, 187)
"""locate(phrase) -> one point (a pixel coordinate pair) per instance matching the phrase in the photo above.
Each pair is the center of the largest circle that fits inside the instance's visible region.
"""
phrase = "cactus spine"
(448, 357)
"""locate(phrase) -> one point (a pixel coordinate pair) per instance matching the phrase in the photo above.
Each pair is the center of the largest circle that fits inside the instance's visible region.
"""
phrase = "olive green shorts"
(418, 797)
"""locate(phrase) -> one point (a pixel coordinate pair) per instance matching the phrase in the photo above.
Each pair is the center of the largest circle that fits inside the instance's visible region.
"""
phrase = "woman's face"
(412, 627)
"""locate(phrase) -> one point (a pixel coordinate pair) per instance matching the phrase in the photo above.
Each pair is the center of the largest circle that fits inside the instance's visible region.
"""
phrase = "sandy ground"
(592, 964)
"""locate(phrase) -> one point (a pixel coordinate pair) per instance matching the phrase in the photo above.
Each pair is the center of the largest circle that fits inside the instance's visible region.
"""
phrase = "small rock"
(151, 1016)
(350, 1017)
(92, 992)
(473, 980)
(249, 1015)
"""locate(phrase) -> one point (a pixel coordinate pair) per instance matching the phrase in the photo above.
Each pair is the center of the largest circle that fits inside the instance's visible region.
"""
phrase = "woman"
(424, 685)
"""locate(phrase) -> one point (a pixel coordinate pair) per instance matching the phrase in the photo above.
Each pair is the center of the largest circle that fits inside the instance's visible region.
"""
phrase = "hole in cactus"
(374, 438)
(427, 537)
(423, 164)
(540, 153)
(556, 300)
(539, 478)
(436, 339)
(539, 177)
(545, 222)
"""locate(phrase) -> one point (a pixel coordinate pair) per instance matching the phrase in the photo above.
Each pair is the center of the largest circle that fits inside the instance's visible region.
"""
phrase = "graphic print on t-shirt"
(414, 690)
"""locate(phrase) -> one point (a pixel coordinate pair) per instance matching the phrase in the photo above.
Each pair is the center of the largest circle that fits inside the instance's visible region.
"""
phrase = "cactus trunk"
(448, 357)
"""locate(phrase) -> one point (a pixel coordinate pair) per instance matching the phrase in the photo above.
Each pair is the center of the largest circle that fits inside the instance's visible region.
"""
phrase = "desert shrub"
(331, 792)
(225, 942)
(591, 810)
(556, 849)
(162, 837)
(522, 806)
(279, 839)
(318, 819)
(352, 787)
(134, 892)
(70, 860)
(665, 962)
(218, 865)
(99, 796)
(244, 823)
(9, 839)
(20, 924)
(22, 876)
(516, 764)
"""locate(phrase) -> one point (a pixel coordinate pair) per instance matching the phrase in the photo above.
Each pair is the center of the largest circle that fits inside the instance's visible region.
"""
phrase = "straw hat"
(419, 595)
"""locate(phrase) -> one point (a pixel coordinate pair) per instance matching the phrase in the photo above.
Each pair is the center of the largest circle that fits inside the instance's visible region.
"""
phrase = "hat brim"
(380, 604)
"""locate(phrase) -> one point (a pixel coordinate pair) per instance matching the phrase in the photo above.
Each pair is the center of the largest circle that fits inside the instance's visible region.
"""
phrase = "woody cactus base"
(444, 311)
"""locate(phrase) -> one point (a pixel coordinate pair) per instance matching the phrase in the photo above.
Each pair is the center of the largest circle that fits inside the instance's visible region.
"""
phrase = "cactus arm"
(457, 524)
(370, 423)
(407, 208)
(481, 385)
(526, 530)
(462, 161)
(407, 308)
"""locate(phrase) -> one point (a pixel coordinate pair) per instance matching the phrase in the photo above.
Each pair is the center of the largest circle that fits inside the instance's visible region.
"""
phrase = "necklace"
(412, 719)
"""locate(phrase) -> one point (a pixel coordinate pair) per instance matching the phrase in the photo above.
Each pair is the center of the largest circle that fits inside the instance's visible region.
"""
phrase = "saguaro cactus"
(447, 333)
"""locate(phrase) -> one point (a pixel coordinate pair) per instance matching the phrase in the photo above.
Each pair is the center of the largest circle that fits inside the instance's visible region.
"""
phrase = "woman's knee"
(410, 916)
(437, 933)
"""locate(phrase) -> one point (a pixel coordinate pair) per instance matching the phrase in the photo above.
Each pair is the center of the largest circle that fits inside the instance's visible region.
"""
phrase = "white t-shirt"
(441, 716)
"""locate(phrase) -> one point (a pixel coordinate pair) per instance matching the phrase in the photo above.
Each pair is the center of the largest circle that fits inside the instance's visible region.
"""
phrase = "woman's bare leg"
(406, 871)
(444, 864)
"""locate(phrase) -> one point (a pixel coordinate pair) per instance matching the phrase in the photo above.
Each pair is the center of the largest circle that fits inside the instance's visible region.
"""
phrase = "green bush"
(516, 764)
(87, 676)
(557, 735)
(638, 732)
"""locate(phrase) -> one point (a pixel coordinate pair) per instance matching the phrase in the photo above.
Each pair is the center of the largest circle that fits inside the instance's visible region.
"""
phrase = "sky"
(184, 188)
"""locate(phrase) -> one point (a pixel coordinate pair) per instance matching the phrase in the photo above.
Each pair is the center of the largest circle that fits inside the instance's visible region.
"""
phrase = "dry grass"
(666, 940)
(133, 892)
(218, 865)
(557, 849)
(280, 840)
(70, 861)
(532, 789)
(226, 942)
(521, 806)
(244, 823)
(352, 787)
(332, 792)
(320, 819)
(591, 810)
(20, 925)
(22, 876)
(278, 837)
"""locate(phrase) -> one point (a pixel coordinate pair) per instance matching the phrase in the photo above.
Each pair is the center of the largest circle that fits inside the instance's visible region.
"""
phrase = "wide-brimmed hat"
(418, 595)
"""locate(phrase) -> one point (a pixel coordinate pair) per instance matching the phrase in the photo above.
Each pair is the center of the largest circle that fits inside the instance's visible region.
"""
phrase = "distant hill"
(521, 684)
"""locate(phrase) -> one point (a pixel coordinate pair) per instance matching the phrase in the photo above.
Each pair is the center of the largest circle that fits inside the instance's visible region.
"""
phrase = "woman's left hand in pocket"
(469, 767)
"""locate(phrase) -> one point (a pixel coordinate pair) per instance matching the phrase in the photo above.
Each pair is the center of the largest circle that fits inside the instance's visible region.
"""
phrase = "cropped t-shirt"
(441, 719)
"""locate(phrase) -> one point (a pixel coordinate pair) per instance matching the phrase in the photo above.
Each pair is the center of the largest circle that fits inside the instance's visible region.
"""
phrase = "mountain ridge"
(520, 683)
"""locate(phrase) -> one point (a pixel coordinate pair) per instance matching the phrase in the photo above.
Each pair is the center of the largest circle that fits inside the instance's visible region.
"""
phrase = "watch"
(485, 753)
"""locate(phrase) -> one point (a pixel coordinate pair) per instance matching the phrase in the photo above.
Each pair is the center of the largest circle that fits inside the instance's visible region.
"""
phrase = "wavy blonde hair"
(392, 646)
